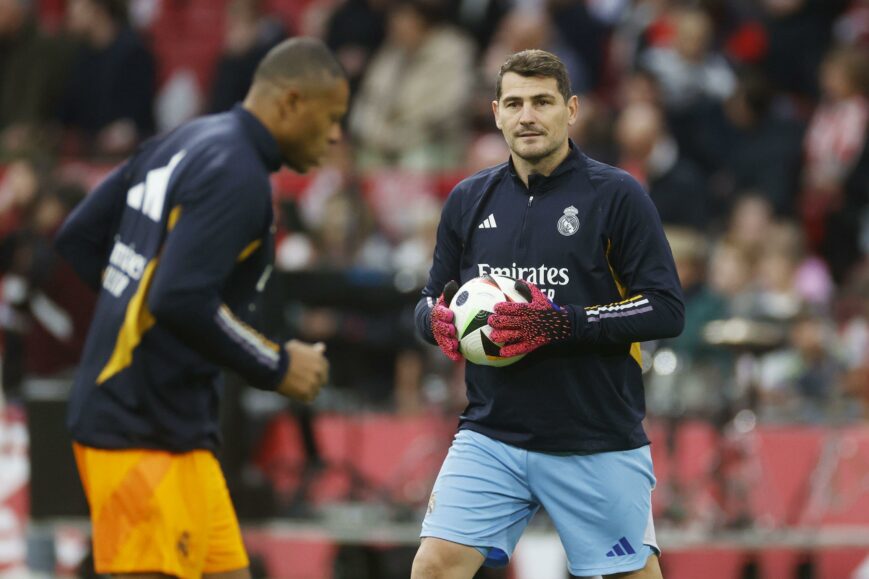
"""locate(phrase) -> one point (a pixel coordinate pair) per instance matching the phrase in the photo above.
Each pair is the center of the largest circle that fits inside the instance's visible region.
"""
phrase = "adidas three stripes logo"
(621, 548)
(488, 222)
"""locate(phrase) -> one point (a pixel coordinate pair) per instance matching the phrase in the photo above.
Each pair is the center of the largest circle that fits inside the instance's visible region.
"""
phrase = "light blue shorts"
(488, 491)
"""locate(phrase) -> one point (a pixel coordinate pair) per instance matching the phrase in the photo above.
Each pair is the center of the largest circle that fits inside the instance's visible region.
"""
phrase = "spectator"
(45, 309)
(798, 382)
(651, 155)
(249, 35)
(31, 79)
(354, 32)
(525, 28)
(745, 145)
(836, 169)
(690, 72)
(411, 108)
(697, 387)
(799, 34)
(109, 98)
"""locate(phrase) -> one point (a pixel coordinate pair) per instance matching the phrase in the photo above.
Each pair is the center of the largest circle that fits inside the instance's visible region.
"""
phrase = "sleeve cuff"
(280, 372)
(578, 320)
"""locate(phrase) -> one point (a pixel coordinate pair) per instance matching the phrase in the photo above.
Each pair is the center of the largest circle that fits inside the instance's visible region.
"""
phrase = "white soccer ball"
(472, 305)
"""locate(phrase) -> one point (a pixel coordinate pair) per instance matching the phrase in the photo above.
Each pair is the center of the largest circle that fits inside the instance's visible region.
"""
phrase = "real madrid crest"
(568, 224)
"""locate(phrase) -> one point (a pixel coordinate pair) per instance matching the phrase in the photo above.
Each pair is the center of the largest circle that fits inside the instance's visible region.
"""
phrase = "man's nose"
(526, 117)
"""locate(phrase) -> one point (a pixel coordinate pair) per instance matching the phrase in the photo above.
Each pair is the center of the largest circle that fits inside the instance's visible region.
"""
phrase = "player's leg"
(652, 570)
(478, 509)
(439, 559)
(601, 507)
(226, 556)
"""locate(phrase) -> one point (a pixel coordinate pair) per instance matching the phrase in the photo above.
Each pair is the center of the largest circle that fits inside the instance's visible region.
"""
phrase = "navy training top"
(589, 236)
(176, 240)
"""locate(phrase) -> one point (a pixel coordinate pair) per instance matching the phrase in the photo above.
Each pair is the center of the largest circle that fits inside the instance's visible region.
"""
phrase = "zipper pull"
(530, 199)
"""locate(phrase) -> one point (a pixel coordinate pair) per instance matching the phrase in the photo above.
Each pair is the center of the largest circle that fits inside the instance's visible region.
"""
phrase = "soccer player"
(561, 428)
(178, 240)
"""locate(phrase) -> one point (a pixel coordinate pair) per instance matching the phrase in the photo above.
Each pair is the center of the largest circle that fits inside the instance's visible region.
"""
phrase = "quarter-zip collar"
(537, 183)
(262, 139)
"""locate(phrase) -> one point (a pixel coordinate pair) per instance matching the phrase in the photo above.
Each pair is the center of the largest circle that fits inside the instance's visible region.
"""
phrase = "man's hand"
(307, 372)
(442, 323)
(525, 327)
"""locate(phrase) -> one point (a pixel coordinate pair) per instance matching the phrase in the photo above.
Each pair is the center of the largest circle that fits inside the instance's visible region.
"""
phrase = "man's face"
(315, 125)
(533, 116)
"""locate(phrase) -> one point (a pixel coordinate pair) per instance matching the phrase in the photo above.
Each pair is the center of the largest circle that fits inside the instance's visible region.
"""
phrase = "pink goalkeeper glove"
(442, 325)
(523, 328)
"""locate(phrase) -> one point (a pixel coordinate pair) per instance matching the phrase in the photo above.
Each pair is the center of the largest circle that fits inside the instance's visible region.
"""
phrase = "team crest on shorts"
(183, 544)
(569, 222)
(431, 502)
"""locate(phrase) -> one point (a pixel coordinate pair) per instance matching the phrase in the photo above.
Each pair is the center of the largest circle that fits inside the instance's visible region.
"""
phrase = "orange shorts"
(157, 512)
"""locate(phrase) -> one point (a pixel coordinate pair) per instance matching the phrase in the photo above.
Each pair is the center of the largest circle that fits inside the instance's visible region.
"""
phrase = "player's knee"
(437, 561)
(426, 567)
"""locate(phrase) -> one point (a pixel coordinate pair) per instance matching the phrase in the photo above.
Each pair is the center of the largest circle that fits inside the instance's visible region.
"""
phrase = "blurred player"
(177, 240)
(562, 428)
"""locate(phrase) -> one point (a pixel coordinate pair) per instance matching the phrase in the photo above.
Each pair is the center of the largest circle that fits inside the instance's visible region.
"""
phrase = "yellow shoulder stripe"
(636, 352)
(137, 320)
(251, 247)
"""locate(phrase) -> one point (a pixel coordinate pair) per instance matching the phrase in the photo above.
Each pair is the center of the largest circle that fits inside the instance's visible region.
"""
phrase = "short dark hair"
(301, 58)
(536, 63)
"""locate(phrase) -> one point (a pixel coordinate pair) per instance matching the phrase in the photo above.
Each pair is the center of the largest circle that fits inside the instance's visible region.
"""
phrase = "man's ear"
(572, 109)
(290, 101)
(495, 112)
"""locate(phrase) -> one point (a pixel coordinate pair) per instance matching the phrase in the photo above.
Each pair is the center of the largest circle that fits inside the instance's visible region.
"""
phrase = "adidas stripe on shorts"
(487, 492)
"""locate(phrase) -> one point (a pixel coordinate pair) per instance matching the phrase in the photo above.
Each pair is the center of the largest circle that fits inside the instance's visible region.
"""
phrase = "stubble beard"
(537, 155)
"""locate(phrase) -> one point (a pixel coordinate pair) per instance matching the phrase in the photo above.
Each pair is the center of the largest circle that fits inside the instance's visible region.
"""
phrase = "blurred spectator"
(787, 276)
(18, 188)
(799, 33)
(852, 27)
(249, 35)
(487, 150)
(836, 169)
(355, 30)
(45, 309)
(703, 304)
(480, 18)
(854, 336)
(524, 28)
(693, 384)
(748, 146)
(593, 130)
(411, 109)
(649, 153)
(32, 76)
(750, 221)
(110, 94)
(730, 276)
(799, 381)
(690, 72)
(586, 35)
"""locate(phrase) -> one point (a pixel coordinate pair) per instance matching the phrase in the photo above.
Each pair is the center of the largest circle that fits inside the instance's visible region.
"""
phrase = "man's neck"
(545, 166)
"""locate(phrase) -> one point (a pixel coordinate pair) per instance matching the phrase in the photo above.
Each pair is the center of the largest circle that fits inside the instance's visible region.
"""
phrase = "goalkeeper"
(562, 428)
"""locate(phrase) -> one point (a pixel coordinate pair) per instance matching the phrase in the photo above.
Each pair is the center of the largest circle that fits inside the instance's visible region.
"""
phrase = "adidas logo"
(621, 549)
(488, 222)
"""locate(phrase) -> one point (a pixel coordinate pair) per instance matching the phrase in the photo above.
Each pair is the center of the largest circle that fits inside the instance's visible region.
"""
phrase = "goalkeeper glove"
(523, 328)
(443, 326)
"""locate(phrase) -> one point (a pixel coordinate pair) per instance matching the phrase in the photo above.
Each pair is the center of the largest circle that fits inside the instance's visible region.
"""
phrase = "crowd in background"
(746, 120)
